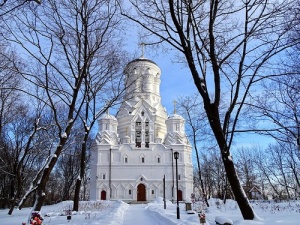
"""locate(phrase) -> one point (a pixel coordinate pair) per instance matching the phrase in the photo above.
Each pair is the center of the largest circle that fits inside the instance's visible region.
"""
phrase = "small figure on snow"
(202, 217)
(36, 218)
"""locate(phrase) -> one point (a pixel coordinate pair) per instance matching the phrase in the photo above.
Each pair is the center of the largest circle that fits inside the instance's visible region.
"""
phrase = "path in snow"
(138, 214)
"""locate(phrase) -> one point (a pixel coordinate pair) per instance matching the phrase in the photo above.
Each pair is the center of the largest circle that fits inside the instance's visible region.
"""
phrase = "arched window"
(142, 158)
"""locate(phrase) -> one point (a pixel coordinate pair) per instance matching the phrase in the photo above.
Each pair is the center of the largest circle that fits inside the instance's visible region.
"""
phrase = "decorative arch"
(125, 158)
(103, 186)
(142, 158)
(158, 159)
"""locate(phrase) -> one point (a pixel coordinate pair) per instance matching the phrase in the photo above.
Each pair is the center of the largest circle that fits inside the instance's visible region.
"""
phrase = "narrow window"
(153, 192)
(178, 176)
(143, 160)
(158, 160)
(126, 160)
(138, 137)
(129, 192)
(103, 176)
(147, 137)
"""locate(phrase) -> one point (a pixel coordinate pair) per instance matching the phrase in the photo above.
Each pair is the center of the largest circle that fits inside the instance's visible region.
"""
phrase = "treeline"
(270, 173)
(27, 143)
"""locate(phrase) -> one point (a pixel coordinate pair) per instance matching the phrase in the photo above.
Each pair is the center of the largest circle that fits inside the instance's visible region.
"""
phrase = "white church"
(133, 153)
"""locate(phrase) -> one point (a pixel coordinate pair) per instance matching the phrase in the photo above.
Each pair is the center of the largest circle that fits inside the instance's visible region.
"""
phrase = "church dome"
(142, 60)
(108, 117)
(175, 116)
(141, 64)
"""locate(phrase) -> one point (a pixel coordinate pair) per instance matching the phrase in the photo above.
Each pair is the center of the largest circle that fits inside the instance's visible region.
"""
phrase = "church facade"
(133, 153)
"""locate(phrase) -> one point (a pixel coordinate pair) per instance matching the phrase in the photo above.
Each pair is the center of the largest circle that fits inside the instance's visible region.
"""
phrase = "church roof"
(142, 60)
(108, 116)
(175, 116)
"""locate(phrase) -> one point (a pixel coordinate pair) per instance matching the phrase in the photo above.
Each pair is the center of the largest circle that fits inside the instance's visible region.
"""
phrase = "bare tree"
(228, 47)
(9, 82)
(213, 174)
(17, 129)
(23, 149)
(279, 104)
(8, 6)
(67, 44)
(113, 93)
(190, 108)
(278, 169)
(280, 99)
(246, 167)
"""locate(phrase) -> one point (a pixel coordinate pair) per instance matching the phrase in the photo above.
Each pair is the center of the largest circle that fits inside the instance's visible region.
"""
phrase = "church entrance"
(141, 192)
(103, 195)
(179, 195)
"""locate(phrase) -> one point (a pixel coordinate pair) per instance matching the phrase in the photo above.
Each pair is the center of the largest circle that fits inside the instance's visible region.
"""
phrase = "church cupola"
(176, 130)
(107, 123)
(175, 123)
(107, 130)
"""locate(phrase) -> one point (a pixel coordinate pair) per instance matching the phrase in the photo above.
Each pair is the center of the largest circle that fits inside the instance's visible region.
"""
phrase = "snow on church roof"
(142, 60)
(108, 116)
(175, 116)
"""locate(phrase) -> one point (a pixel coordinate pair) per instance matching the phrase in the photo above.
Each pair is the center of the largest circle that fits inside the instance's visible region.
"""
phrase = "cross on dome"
(142, 44)
(174, 106)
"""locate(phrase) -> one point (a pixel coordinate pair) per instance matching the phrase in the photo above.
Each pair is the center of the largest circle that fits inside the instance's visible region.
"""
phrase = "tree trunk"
(237, 189)
(77, 195)
(200, 178)
(82, 171)
(41, 186)
(12, 196)
(39, 201)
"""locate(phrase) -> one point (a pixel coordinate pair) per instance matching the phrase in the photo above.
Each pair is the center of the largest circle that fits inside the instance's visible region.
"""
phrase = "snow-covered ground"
(120, 213)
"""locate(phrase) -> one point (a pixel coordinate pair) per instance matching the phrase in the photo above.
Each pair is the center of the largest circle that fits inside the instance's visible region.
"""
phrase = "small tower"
(107, 126)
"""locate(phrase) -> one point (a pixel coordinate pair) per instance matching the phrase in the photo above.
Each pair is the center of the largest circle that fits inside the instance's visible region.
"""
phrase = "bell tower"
(142, 116)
